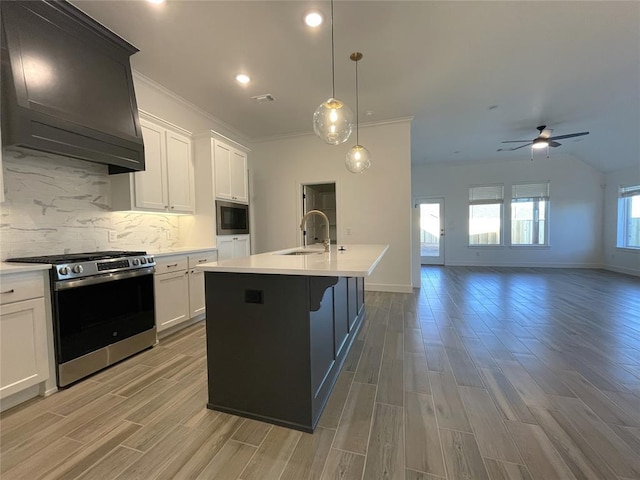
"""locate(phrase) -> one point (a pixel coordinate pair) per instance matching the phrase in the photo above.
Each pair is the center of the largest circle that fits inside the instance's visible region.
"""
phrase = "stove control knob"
(63, 270)
(143, 260)
(136, 262)
(77, 269)
(150, 259)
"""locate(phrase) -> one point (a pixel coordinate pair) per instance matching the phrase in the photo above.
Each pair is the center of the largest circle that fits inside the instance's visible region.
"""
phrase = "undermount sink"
(302, 252)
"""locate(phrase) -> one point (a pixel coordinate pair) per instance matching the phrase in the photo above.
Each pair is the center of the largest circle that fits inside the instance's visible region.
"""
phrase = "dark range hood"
(67, 86)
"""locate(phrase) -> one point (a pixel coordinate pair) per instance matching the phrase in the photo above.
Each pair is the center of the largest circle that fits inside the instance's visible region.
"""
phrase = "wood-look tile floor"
(530, 374)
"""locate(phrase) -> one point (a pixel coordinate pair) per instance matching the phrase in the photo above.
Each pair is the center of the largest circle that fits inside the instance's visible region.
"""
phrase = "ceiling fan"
(543, 140)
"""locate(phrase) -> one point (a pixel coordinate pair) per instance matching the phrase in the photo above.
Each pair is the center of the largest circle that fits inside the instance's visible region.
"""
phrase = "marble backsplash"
(57, 205)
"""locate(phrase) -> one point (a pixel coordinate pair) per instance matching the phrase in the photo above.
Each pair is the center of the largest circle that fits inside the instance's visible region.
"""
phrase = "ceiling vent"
(266, 98)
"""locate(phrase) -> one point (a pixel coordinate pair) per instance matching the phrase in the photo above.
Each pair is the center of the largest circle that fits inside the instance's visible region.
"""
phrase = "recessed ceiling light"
(242, 78)
(155, 1)
(313, 19)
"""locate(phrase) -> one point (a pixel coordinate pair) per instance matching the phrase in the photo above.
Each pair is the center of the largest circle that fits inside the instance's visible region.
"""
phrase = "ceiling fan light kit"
(543, 140)
(333, 119)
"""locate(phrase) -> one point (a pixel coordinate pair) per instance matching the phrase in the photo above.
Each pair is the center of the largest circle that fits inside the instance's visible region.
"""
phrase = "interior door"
(309, 203)
(432, 231)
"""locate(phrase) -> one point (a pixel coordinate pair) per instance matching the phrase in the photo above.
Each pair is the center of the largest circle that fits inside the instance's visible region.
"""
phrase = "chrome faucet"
(327, 240)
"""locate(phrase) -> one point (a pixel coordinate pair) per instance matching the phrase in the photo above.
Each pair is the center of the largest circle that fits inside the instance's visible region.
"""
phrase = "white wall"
(576, 210)
(616, 259)
(374, 205)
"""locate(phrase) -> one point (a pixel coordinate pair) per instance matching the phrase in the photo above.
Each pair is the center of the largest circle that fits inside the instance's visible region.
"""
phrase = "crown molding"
(308, 134)
(186, 103)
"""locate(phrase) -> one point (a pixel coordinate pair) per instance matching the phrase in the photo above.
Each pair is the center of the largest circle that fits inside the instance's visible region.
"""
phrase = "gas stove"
(79, 265)
(103, 309)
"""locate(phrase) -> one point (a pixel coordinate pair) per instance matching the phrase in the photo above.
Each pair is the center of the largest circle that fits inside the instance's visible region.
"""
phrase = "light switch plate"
(113, 236)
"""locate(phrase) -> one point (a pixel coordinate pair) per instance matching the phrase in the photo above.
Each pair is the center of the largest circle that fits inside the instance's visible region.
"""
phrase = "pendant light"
(358, 158)
(333, 120)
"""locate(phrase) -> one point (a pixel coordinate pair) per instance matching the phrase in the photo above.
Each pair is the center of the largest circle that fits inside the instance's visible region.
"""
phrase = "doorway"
(431, 231)
(319, 196)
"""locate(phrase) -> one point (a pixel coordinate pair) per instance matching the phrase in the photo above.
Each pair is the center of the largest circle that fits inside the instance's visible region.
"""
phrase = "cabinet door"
(196, 292)
(222, 172)
(151, 185)
(225, 247)
(239, 188)
(179, 173)
(23, 346)
(241, 246)
(172, 299)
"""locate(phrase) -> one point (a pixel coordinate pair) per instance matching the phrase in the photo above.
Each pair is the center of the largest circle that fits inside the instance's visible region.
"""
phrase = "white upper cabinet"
(180, 172)
(167, 183)
(230, 173)
(150, 186)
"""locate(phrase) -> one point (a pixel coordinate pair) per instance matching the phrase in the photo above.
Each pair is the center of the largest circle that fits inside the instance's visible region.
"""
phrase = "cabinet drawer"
(172, 263)
(203, 257)
(21, 286)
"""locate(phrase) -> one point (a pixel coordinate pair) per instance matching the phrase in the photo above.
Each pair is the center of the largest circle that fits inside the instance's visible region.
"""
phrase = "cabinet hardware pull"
(202, 261)
(186, 272)
(173, 206)
(166, 206)
(172, 265)
(8, 291)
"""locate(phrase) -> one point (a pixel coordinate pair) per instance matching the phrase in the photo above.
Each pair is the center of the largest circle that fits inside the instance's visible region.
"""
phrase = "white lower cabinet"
(233, 246)
(179, 288)
(172, 299)
(24, 355)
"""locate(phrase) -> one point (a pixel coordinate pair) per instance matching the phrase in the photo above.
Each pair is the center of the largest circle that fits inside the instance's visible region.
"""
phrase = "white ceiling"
(574, 66)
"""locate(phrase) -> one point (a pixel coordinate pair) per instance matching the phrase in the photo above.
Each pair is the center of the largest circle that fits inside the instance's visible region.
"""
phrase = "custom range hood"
(67, 86)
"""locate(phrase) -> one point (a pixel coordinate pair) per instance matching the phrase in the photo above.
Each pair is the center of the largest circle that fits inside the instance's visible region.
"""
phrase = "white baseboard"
(19, 397)
(524, 265)
(627, 271)
(381, 287)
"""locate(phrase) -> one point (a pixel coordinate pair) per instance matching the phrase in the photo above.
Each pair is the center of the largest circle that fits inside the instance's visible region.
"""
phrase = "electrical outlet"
(168, 234)
(113, 236)
(348, 231)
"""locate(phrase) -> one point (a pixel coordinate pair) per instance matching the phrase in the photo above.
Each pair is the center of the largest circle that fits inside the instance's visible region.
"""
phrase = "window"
(485, 215)
(629, 217)
(529, 214)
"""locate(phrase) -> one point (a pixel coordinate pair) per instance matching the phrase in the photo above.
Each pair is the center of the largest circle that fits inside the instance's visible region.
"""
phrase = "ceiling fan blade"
(514, 148)
(570, 135)
(546, 133)
(515, 141)
(554, 144)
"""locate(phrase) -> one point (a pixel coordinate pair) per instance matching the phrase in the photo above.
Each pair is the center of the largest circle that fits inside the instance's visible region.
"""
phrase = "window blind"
(630, 191)
(486, 194)
(530, 191)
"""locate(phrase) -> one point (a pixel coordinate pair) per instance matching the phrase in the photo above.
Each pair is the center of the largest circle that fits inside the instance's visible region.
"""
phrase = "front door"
(431, 231)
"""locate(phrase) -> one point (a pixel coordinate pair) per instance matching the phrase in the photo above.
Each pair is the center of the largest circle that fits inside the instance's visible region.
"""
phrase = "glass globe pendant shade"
(333, 121)
(358, 159)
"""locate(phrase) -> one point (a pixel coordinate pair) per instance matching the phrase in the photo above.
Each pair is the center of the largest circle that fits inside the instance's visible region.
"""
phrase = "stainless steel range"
(103, 309)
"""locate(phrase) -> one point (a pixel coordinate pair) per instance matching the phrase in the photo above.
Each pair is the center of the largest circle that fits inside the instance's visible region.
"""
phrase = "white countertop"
(354, 261)
(6, 267)
(179, 250)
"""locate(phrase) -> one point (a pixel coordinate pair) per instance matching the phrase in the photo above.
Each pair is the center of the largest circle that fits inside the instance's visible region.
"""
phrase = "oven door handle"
(108, 277)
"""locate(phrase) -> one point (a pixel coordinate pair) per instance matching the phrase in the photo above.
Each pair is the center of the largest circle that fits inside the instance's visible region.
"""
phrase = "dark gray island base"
(276, 343)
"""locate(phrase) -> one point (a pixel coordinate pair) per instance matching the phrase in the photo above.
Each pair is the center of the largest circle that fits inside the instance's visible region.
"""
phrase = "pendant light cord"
(333, 67)
(357, 108)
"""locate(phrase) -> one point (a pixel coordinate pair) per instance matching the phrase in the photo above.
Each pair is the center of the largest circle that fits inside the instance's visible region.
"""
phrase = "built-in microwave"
(231, 218)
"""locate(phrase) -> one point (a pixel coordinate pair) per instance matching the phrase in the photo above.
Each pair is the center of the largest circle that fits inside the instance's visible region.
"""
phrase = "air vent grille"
(265, 98)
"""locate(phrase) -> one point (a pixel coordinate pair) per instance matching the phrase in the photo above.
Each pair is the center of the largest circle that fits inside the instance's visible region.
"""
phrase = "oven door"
(95, 312)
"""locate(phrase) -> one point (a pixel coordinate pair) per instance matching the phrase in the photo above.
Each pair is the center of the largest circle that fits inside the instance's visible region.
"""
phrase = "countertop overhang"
(353, 261)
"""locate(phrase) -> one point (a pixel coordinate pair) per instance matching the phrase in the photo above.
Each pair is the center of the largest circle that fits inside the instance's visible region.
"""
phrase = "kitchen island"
(279, 327)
